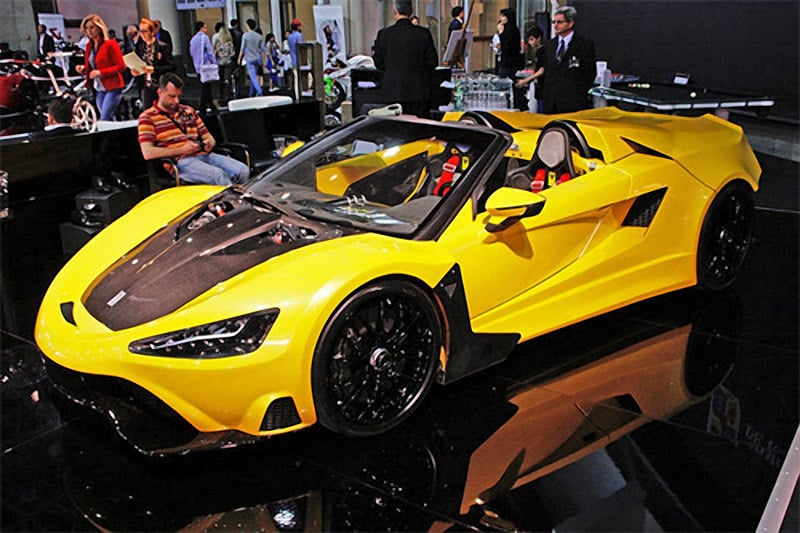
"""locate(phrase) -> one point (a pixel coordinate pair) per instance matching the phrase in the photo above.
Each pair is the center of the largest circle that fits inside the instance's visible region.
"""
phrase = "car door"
(502, 270)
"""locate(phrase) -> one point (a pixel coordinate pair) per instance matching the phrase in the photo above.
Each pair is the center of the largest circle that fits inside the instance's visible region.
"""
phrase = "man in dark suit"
(59, 117)
(163, 35)
(458, 20)
(569, 66)
(407, 57)
(46, 43)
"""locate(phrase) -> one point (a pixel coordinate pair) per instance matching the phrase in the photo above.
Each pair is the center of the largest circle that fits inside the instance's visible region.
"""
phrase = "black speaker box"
(74, 236)
(105, 207)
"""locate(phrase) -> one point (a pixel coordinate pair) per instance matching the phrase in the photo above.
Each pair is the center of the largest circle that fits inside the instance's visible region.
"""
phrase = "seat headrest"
(552, 147)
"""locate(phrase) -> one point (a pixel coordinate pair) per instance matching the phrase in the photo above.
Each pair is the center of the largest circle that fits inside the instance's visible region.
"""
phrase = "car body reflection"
(503, 434)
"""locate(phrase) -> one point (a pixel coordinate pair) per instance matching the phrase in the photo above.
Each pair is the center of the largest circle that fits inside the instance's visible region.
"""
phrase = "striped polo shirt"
(157, 126)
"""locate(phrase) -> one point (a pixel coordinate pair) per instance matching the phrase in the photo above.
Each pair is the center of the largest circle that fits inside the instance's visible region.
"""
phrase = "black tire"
(332, 120)
(726, 237)
(376, 359)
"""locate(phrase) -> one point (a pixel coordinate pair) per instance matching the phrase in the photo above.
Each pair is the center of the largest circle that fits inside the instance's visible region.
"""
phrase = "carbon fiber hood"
(219, 239)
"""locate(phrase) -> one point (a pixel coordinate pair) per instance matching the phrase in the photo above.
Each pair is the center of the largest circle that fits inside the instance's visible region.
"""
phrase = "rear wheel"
(376, 359)
(726, 236)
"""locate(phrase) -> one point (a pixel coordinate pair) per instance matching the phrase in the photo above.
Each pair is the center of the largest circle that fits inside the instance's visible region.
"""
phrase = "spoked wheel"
(84, 115)
(376, 359)
(726, 236)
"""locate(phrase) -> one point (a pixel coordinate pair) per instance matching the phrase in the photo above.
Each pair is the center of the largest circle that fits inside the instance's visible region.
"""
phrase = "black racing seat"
(552, 159)
(162, 173)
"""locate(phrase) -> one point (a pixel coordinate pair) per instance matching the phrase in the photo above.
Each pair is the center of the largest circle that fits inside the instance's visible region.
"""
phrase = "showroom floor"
(673, 414)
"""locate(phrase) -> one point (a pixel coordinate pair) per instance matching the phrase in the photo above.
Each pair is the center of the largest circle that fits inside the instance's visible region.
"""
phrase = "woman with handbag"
(205, 64)
(103, 66)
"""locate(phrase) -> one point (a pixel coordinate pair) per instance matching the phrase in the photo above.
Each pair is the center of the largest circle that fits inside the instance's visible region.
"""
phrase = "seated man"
(59, 117)
(171, 129)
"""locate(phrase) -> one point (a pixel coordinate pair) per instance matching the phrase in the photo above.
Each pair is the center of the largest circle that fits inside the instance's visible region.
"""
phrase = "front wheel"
(376, 359)
(84, 115)
(725, 237)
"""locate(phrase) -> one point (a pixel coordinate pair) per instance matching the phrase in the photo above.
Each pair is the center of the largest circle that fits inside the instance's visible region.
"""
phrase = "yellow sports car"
(388, 254)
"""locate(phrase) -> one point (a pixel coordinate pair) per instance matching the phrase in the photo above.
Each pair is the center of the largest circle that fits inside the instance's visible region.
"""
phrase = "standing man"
(171, 129)
(131, 38)
(237, 75)
(252, 54)
(569, 66)
(407, 57)
(295, 38)
(458, 20)
(236, 34)
(46, 43)
(163, 35)
(202, 53)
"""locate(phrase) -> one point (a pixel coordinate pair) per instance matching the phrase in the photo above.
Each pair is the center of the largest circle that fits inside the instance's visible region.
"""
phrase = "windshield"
(384, 175)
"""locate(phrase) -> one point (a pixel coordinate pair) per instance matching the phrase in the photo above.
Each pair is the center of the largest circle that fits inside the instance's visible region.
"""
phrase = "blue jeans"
(252, 70)
(214, 169)
(107, 102)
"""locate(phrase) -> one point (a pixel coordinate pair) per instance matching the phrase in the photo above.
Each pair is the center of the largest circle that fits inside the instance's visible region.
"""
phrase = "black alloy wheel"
(376, 359)
(725, 237)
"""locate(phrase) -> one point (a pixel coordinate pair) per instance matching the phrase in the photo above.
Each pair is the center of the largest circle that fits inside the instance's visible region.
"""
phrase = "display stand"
(458, 46)
(309, 82)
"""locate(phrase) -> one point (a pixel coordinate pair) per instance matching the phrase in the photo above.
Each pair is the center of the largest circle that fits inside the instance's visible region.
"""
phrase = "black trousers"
(206, 99)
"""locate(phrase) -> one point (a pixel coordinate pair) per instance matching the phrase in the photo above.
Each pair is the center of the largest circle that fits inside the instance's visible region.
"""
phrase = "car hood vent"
(219, 240)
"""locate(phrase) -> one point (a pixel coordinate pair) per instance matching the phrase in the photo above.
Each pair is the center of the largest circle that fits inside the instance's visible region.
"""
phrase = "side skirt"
(468, 352)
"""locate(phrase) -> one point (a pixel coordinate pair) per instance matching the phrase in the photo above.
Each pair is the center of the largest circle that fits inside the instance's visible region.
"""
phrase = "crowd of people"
(168, 128)
(215, 59)
(560, 72)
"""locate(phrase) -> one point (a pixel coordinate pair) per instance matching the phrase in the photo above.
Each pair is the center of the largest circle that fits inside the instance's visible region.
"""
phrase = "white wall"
(18, 27)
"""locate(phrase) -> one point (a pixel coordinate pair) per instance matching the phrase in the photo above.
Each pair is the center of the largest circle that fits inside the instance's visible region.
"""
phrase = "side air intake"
(644, 209)
(642, 149)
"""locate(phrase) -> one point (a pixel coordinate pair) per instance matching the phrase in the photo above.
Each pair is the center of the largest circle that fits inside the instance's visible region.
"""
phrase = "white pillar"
(167, 13)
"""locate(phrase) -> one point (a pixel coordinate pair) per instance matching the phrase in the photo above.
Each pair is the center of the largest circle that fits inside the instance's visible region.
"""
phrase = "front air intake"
(281, 413)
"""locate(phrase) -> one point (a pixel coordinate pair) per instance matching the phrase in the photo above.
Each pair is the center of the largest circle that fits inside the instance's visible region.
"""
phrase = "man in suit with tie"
(569, 66)
(406, 55)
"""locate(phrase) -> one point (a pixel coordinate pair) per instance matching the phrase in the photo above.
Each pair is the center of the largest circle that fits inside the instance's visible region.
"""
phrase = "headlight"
(225, 338)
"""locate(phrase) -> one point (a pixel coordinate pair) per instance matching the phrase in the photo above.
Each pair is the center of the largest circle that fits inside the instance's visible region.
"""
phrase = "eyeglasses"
(559, 22)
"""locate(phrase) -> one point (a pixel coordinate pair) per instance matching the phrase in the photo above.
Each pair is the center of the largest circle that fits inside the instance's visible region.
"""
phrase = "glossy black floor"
(673, 414)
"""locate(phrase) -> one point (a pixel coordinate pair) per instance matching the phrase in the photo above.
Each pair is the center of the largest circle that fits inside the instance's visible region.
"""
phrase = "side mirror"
(510, 206)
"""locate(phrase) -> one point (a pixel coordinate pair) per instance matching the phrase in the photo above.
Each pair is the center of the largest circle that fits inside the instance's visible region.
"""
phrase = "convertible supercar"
(388, 254)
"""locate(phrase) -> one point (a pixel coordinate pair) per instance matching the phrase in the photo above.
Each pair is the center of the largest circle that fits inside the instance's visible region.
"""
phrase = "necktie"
(560, 52)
